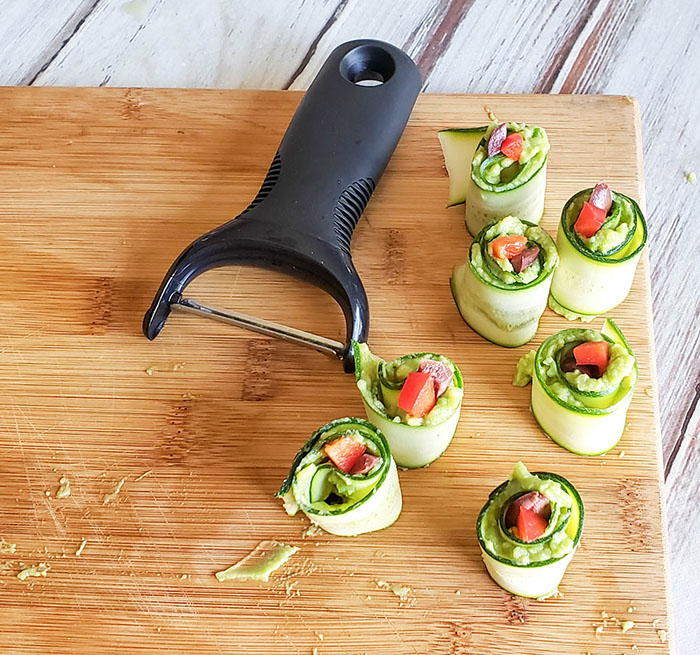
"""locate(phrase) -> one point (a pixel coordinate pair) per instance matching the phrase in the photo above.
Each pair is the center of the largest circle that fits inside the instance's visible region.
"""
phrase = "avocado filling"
(381, 384)
(340, 470)
(500, 173)
(576, 385)
(500, 532)
(507, 272)
(615, 233)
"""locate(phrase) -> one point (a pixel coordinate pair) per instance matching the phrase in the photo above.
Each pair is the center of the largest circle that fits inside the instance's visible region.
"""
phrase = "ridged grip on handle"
(331, 157)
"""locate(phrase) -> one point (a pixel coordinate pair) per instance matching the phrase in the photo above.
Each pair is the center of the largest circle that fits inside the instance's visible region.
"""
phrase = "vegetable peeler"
(301, 222)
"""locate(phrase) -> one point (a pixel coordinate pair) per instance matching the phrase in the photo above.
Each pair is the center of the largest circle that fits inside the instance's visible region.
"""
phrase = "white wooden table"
(643, 48)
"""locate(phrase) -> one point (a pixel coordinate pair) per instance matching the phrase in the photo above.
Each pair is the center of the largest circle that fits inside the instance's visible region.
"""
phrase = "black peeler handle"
(325, 170)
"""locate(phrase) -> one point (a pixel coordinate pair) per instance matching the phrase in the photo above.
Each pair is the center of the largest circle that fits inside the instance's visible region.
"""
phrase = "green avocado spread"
(604, 391)
(500, 173)
(265, 558)
(617, 230)
(500, 272)
(382, 394)
(558, 539)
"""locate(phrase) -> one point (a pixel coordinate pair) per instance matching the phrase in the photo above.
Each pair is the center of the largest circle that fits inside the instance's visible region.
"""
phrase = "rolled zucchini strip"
(344, 504)
(499, 186)
(500, 304)
(583, 414)
(595, 274)
(415, 442)
(535, 568)
(458, 148)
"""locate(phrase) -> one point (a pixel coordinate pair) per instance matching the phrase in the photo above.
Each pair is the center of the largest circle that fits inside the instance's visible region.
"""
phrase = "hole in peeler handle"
(367, 65)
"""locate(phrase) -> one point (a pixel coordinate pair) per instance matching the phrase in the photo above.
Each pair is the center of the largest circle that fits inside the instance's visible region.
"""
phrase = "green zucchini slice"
(342, 503)
(458, 148)
(582, 414)
(499, 304)
(534, 569)
(415, 442)
(595, 275)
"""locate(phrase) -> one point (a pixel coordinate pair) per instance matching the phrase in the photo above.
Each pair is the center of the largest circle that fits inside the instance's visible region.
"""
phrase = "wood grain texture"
(101, 189)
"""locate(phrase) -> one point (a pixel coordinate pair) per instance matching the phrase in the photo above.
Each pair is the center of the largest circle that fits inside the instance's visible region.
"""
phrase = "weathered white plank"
(409, 24)
(506, 50)
(31, 34)
(217, 43)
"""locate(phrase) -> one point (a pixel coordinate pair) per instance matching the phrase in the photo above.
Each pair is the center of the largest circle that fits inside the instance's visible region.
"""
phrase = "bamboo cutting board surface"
(100, 189)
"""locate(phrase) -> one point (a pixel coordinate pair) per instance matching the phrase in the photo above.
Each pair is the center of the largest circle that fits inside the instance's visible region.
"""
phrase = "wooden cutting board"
(100, 189)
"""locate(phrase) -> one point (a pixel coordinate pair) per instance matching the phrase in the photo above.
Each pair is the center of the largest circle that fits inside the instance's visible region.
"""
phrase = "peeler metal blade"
(261, 326)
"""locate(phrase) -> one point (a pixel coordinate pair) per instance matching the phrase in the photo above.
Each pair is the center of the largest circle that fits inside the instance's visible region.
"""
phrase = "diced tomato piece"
(364, 464)
(508, 246)
(417, 395)
(512, 147)
(530, 525)
(441, 373)
(344, 452)
(593, 353)
(589, 220)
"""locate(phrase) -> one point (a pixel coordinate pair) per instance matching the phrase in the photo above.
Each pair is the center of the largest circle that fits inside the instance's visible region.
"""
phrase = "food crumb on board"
(79, 552)
(184, 576)
(38, 570)
(626, 625)
(265, 558)
(47, 493)
(649, 392)
(691, 177)
(188, 396)
(598, 629)
(6, 548)
(314, 651)
(177, 366)
(319, 635)
(458, 592)
(402, 592)
(655, 623)
(663, 635)
(634, 647)
(311, 530)
(621, 454)
(63, 490)
(110, 497)
(143, 475)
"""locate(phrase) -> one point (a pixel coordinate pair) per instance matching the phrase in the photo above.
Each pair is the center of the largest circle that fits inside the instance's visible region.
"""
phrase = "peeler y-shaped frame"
(302, 220)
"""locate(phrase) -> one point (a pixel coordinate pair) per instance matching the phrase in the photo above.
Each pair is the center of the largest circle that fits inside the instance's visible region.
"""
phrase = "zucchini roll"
(508, 175)
(528, 531)
(600, 239)
(582, 385)
(416, 401)
(501, 291)
(344, 479)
